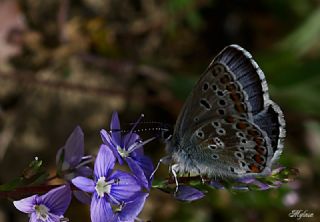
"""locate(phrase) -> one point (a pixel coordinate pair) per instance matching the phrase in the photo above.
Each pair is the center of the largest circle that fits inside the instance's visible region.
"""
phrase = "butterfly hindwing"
(231, 146)
(271, 121)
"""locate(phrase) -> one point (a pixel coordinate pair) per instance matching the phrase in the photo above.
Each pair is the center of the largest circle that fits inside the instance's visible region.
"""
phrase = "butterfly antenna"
(132, 129)
(163, 129)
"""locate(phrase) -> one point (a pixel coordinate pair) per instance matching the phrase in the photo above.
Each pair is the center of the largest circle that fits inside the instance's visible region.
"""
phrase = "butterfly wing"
(232, 87)
(232, 147)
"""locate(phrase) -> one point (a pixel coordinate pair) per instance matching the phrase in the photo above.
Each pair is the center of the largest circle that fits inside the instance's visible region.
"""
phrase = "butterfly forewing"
(216, 94)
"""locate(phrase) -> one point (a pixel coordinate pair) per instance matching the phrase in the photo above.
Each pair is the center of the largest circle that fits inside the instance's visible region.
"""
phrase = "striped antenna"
(163, 130)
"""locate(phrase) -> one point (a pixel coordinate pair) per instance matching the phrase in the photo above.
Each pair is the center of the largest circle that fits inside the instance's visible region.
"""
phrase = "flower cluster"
(114, 195)
(129, 148)
(113, 192)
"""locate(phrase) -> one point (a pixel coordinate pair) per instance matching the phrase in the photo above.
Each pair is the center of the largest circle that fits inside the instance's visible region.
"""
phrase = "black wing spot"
(205, 104)
(205, 86)
(221, 111)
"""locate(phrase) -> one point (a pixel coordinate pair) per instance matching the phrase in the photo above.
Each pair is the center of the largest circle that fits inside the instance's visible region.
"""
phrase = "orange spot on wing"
(254, 168)
(242, 125)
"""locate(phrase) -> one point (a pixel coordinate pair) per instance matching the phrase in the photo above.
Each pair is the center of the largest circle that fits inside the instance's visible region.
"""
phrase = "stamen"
(103, 186)
(42, 212)
(136, 145)
(119, 207)
(84, 161)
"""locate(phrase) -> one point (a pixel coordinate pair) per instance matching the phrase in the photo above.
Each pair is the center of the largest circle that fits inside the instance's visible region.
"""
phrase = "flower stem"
(22, 192)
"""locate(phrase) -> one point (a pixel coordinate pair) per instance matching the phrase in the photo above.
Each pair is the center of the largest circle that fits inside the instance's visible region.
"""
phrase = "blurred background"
(65, 63)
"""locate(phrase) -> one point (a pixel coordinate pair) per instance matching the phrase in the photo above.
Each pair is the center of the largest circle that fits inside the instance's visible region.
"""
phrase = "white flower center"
(123, 153)
(42, 212)
(102, 186)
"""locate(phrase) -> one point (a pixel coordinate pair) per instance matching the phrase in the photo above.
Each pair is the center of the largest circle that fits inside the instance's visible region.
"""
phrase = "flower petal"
(132, 208)
(33, 217)
(126, 188)
(254, 181)
(84, 171)
(129, 139)
(138, 172)
(240, 188)
(104, 162)
(84, 184)
(82, 196)
(246, 180)
(187, 193)
(216, 184)
(26, 205)
(146, 165)
(100, 210)
(59, 156)
(115, 128)
(74, 147)
(53, 218)
(262, 186)
(107, 140)
(57, 200)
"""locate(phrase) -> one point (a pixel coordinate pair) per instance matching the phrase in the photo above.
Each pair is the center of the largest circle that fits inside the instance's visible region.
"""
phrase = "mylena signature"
(300, 214)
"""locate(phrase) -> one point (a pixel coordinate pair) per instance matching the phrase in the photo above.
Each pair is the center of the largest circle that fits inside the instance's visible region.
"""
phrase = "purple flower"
(187, 193)
(129, 210)
(110, 190)
(129, 148)
(49, 207)
(70, 158)
(253, 181)
(216, 184)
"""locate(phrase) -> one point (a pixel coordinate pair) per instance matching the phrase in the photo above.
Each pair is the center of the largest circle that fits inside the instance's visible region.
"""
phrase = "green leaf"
(12, 184)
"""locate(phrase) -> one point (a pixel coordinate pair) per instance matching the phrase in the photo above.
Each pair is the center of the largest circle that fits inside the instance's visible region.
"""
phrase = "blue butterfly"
(228, 126)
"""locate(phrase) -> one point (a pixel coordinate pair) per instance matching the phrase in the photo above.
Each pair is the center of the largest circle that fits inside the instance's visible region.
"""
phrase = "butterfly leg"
(174, 170)
(203, 180)
(164, 160)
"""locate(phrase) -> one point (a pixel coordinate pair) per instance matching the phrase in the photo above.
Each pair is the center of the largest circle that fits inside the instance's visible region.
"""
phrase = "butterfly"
(228, 126)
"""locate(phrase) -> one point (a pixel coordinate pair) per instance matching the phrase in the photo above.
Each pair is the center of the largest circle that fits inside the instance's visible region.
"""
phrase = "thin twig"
(61, 19)
(28, 191)
(27, 78)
